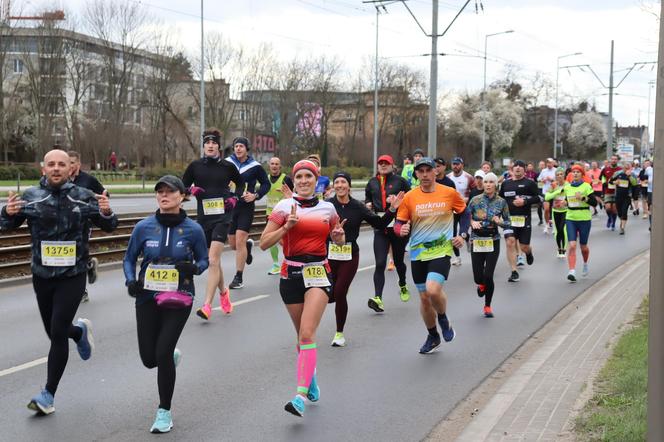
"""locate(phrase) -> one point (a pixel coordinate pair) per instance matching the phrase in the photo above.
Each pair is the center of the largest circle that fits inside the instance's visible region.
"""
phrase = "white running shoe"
(339, 340)
(585, 270)
(456, 261)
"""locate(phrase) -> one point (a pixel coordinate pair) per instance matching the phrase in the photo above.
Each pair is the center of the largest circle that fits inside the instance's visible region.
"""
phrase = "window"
(18, 66)
(244, 115)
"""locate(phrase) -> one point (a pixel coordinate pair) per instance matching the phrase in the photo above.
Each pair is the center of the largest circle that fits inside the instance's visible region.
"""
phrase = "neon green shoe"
(275, 270)
(376, 304)
(405, 293)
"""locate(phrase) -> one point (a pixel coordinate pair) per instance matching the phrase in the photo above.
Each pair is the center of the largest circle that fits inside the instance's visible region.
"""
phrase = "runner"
(532, 174)
(520, 194)
(486, 166)
(464, 183)
(59, 215)
(487, 211)
(303, 224)
(624, 182)
(173, 249)
(323, 185)
(430, 208)
(540, 167)
(243, 215)
(209, 178)
(277, 181)
(479, 184)
(408, 169)
(595, 176)
(636, 190)
(649, 174)
(644, 182)
(546, 177)
(610, 192)
(82, 179)
(441, 177)
(344, 260)
(579, 197)
(557, 195)
(379, 192)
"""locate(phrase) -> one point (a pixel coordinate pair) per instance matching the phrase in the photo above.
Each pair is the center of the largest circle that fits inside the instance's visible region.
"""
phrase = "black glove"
(135, 288)
(186, 268)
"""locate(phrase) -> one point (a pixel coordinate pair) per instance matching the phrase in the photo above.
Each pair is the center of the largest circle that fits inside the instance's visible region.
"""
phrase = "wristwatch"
(464, 235)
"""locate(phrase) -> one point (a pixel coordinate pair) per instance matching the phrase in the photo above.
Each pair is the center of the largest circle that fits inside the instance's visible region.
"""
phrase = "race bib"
(340, 253)
(611, 186)
(58, 253)
(540, 185)
(518, 221)
(623, 184)
(213, 206)
(315, 276)
(483, 245)
(161, 278)
(573, 201)
(273, 200)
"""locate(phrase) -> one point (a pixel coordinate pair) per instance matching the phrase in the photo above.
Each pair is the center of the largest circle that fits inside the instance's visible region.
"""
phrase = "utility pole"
(433, 85)
(202, 74)
(656, 324)
(375, 131)
(651, 83)
(609, 132)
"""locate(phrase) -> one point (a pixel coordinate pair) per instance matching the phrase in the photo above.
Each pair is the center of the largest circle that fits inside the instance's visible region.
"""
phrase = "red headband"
(305, 164)
(579, 168)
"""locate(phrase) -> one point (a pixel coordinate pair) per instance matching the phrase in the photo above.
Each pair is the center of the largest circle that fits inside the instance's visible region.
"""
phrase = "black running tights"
(381, 246)
(484, 265)
(343, 273)
(58, 300)
(158, 332)
(559, 221)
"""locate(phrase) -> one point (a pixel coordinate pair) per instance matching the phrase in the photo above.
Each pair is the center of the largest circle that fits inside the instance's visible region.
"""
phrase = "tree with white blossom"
(586, 135)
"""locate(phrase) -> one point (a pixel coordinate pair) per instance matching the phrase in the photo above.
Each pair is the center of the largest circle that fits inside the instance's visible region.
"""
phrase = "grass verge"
(617, 410)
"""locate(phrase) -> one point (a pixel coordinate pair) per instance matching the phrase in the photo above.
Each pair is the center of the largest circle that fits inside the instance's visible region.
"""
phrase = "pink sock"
(306, 365)
(571, 259)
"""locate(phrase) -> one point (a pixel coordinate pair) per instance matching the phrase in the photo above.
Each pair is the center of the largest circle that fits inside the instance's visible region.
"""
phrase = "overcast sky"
(543, 30)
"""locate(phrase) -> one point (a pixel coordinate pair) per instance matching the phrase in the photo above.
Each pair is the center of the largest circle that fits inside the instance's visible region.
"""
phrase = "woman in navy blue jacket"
(174, 250)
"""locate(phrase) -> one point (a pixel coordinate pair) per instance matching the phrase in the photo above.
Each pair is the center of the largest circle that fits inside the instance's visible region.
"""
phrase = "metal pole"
(375, 134)
(609, 132)
(656, 327)
(486, 38)
(202, 74)
(433, 84)
(651, 83)
(555, 118)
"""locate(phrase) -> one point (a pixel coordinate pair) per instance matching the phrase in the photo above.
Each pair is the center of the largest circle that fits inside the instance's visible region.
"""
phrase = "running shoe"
(514, 277)
(275, 270)
(520, 261)
(314, 390)
(225, 301)
(163, 422)
(85, 297)
(622, 231)
(86, 344)
(296, 406)
(93, 263)
(390, 266)
(177, 356)
(430, 344)
(645, 216)
(480, 290)
(488, 313)
(448, 332)
(204, 312)
(571, 276)
(456, 261)
(404, 293)
(339, 340)
(250, 244)
(530, 259)
(546, 230)
(608, 222)
(585, 270)
(376, 304)
(540, 223)
(237, 283)
(42, 403)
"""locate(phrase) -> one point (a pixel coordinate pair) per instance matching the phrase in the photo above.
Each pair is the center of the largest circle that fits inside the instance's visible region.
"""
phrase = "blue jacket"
(64, 213)
(165, 245)
(252, 172)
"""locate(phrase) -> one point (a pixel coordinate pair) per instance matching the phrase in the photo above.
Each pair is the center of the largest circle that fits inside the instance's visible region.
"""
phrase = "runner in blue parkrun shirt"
(243, 214)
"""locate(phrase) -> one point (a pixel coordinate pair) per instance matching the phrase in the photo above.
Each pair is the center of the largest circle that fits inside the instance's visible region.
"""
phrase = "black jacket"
(374, 191)
(86, 180)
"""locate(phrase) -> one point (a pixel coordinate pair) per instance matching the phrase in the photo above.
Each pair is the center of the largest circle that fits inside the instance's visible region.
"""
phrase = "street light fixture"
(486, 38)
(555, 118)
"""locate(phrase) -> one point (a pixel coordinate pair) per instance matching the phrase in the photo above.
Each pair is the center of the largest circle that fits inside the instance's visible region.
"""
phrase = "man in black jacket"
(379, 193)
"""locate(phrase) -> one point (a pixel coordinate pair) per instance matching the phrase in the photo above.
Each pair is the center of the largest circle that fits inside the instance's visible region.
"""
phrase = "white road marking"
(246, 301)
(361, 269)
(25, 366)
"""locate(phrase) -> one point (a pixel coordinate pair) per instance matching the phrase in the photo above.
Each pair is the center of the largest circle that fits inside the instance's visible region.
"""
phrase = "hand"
(195, 190)
(405, 229)
(458, 242)
(14, 203)
(248, 197)
(337, 234)
(135, 288)
(230, 203)
(496, 220)
(104, 205)
(476, 225)
(369, 206)
(292, 218)
(288, 193)
(397, 200)
(519, 202)
(186, 268)
(390, 199)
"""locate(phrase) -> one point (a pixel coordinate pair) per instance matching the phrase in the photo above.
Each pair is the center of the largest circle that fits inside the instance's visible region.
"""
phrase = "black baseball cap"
(440, 160)
(425, 161)
(457, 160)
(418, 151)
(173, 182)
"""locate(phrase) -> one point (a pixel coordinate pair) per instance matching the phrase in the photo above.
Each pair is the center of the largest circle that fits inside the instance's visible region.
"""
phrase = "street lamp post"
(555, 118)
(486, 38)
(202, 74)
(651, 83)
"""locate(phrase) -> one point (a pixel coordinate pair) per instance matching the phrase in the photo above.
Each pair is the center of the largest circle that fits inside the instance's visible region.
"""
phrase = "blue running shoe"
(42, 403)
(86, 344)
(296, 406)
(448, 331)
(430, 344)
(163, 422)
(314, 390)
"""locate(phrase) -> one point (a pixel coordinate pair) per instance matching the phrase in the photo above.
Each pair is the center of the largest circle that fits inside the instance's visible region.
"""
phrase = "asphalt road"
(238, 371)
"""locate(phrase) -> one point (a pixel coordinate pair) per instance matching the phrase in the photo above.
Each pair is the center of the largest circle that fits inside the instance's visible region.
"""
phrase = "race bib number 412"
(161, 278)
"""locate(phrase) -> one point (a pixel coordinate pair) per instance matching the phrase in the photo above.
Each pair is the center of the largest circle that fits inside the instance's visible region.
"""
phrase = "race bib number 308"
(161, 278)
(58, 253)
(213, 206)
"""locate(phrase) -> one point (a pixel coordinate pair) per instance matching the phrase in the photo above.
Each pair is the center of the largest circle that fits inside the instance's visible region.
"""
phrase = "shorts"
(636, 193)
(292, 287)
(522, 234)
(598, 193)
(609, 199)
(243, 218)
(622, 206)
(436, 270)
(578, 228)
(216, 232)
(644, 192)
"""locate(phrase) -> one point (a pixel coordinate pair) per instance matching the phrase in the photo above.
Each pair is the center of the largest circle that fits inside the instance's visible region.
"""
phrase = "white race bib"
(315, 276)
(161, 278)
(483, 245)
(573, 201)
(518, 220)
(213, 206)
(340, 253)
(58, 253)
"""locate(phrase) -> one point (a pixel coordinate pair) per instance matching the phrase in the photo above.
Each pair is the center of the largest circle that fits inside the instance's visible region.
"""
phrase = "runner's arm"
(131, 255)
(264, 183)
(188, 176)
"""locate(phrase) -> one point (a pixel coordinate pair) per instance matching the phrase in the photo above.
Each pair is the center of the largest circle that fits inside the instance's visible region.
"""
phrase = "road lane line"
(361, 269)
(25, 366)
(246, 301)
